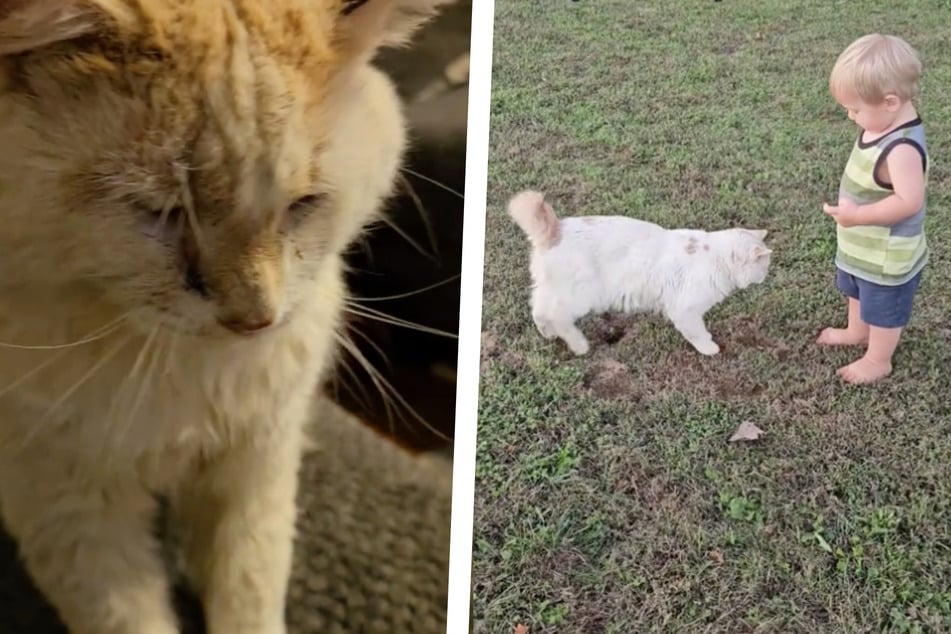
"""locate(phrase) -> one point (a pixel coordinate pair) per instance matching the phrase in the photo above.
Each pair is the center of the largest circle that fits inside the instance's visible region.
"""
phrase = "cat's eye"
(352, 5)
(161, 223)
(304, 205)
(152, 212)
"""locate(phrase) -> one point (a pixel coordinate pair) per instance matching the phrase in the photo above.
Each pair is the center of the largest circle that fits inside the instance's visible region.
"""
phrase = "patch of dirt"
(491, 348)
(720, 378)
(746, 331)
(684, 370)
(594, 613)
(695, 184)
(609, 378)
(562, 562)
(611, 328)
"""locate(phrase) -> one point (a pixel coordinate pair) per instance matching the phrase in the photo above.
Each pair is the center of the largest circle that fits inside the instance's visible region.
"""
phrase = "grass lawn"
(607, 496)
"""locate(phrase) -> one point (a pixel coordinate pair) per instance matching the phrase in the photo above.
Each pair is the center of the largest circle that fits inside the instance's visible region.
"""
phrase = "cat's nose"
(247, 326)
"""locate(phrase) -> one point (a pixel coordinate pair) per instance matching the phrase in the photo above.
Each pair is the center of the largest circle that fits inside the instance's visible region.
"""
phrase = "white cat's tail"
(536, 218)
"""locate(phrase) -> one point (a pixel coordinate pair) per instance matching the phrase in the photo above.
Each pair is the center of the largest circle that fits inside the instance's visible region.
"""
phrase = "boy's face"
(873, 118)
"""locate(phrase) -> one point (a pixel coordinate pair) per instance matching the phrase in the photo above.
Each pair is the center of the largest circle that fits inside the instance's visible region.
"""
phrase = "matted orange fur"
(178, 181)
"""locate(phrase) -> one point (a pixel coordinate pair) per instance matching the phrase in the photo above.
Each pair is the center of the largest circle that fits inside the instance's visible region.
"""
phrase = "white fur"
(604, 263)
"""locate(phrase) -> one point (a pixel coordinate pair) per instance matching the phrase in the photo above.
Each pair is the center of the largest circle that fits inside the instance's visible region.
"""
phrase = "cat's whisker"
(172, 348)
(145, 346)
(147, 350)
(376, 315)
(409, 239)
(408, 293)
(114, 419)
(100, 363)
(23, 378)
(433, 181)
(423, 214)
(365, 400)
(371, 343)
(354, 352)
(100, 333)
(385, 386)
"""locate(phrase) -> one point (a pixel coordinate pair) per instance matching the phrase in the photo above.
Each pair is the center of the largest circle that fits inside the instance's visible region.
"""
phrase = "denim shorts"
(880, 306)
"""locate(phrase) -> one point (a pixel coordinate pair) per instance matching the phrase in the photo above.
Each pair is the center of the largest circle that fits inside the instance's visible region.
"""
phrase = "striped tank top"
(886, 255)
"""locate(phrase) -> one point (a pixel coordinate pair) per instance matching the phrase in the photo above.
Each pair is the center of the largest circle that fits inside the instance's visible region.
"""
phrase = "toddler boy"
(881, 208)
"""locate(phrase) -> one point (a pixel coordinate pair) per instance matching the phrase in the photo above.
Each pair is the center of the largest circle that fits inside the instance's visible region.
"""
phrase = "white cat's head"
(199, 164)
(749, 261)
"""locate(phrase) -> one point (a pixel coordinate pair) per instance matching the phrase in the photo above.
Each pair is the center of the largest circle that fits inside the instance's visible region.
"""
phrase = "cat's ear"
(742, 253)
(759, 234)
(27, 25)
(760, 252)
(366, 25)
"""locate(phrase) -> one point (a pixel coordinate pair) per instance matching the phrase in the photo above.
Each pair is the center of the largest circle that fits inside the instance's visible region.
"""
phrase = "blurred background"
(415, 256)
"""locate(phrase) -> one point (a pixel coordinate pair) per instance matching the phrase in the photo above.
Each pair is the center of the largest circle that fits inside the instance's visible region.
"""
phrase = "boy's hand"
(846, 213)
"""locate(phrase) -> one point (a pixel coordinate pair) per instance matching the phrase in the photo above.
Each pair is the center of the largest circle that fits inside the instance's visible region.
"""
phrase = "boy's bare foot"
(842, 337)
(865, 371)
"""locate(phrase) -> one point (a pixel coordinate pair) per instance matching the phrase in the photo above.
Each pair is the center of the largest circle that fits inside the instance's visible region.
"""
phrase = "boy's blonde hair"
(874, 66)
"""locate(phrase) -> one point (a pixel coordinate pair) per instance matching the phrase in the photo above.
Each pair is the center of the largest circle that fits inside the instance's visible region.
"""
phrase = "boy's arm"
(906, 170)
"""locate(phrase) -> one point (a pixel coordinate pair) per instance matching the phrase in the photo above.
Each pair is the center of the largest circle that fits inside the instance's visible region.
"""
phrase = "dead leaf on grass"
(521, 629)
(716, 557)
(746, 431)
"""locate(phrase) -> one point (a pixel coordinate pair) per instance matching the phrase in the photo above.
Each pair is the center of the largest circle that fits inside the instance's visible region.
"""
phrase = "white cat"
(601, 263)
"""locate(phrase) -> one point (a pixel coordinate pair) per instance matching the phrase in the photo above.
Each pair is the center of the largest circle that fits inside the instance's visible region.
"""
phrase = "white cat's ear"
(760, 252)
(26, 25)
(759, 234)
(366, 25)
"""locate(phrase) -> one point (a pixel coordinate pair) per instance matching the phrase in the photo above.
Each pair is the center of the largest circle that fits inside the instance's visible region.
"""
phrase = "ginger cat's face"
(195, 164)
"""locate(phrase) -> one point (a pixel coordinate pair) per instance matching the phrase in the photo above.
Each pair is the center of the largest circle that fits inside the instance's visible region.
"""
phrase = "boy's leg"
(854, 334)
(877, 362)
(887, 310)
(856, 331)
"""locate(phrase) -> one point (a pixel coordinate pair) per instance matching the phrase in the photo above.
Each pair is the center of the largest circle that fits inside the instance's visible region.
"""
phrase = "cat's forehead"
(226, 87)
(198, 42)
(156, 46)
(297, 33)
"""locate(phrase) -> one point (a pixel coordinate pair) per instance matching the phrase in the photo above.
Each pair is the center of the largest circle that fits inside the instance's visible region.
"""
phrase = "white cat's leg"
(570, 334)
(238, 516)
(88, 546)
(544, 326)
(540, 313)
(690, 325)
(551, 322)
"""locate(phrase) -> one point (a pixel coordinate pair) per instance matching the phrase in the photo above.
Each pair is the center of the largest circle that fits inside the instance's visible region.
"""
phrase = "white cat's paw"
(545, 330)
(708, 348)
(579, 347)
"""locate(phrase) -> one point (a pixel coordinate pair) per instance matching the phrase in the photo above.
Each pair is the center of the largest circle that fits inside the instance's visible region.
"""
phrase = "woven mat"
(372, 552)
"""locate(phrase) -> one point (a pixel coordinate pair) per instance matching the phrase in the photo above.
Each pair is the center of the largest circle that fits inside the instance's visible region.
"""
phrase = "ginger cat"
(177, 183)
